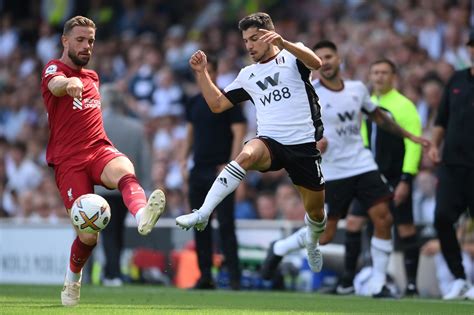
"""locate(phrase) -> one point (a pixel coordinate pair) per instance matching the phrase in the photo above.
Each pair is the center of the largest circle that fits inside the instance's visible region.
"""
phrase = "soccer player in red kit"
(79, 150)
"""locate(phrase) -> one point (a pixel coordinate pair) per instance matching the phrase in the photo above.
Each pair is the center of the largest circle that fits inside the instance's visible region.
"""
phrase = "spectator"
(465, 235)
(47, 45)
(9, 37)
(214, 140)
(266, 206)
(120, 129)
(455, 192)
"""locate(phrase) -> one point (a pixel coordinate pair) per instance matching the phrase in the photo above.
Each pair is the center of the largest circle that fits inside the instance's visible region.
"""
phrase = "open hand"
(271, 37)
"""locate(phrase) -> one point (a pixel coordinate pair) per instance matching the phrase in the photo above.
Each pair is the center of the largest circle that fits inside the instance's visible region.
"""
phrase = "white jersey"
(341, 113)
(286, 104)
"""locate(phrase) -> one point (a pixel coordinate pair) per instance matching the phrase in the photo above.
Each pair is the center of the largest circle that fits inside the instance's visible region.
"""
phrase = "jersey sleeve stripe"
(238, 96)
(313, 100)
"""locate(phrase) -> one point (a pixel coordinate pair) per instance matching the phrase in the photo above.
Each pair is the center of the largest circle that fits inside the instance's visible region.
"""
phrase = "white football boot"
(315, 257)
(71, 293)
(152, 212)
(194, 219)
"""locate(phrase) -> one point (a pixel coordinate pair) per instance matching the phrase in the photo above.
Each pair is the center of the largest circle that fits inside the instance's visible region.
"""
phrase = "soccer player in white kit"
(348, 167)
(288, 123)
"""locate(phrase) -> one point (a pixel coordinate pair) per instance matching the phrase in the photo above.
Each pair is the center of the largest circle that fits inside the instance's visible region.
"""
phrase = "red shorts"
(78, 175)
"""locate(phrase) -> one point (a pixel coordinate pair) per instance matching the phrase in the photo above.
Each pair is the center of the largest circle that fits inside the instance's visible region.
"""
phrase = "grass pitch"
(134, 299)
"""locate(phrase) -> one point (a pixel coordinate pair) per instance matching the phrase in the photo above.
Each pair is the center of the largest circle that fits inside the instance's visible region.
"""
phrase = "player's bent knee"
(383, 221)
(249, 160)
(89, 238)
(354, 223)
(244, 159)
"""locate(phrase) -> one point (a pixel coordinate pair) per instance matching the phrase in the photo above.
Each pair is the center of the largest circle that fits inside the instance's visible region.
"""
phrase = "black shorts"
(369, 188)
(455, 191)
(301, 161)
(403, 214)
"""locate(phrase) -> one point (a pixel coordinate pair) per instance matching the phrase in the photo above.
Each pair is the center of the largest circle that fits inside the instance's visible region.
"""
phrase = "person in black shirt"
(214, 140)
(455, 192)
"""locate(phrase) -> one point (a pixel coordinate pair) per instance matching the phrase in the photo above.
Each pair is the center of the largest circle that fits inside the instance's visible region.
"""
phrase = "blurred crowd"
(143, 47)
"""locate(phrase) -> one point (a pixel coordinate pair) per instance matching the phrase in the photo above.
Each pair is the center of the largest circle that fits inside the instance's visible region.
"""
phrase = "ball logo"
(89, 222)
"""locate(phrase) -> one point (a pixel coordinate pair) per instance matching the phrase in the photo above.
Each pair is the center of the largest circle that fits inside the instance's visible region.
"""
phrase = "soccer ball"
(90, 213)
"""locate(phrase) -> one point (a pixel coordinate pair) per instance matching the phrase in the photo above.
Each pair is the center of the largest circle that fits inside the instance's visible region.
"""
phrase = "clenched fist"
(198, 61)
(74, 87)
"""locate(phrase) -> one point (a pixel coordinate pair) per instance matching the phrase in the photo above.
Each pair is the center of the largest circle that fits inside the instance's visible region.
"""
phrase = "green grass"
(18, 299)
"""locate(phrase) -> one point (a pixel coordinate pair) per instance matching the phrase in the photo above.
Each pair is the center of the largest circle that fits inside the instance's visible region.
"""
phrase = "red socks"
(80, 252)
(132, 193)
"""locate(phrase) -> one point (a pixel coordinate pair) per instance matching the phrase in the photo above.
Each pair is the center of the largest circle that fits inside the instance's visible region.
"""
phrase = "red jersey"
(74, 124)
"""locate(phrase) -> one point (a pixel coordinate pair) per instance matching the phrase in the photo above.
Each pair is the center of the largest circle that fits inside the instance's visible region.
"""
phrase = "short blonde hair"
(77, 21)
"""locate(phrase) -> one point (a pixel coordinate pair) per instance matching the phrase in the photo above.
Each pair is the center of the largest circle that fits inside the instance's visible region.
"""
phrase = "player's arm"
(60, 86)
(385, 122)
(410, 121)
(441, 123)
(300, 51)
(215, 99)
(437, 136)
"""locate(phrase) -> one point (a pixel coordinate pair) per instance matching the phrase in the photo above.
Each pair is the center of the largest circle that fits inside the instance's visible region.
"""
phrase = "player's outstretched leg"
(226, 182)
(279, 249)
(314, 230)
(151, 212)
(145, 212)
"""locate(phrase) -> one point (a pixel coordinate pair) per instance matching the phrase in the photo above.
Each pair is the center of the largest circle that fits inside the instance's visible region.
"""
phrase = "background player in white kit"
(349, 168)
(289, 123)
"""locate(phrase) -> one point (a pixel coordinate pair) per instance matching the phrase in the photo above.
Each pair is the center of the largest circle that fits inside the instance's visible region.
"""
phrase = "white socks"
(380, 250)
(138, 215)
(293, 242)
(226, 182)
(73, 277)
(315, 229)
